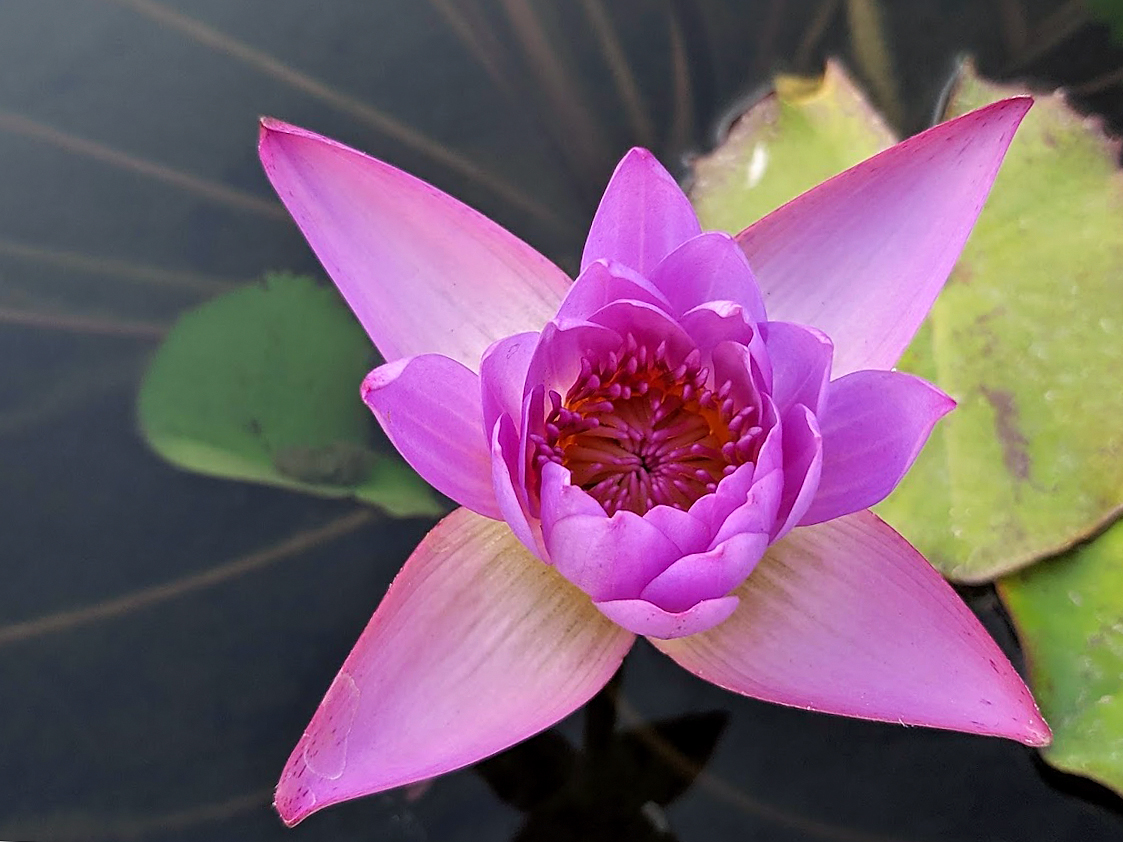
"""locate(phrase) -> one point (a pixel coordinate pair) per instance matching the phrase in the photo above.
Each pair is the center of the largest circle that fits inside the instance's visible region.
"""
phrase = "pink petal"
(684, 530)
(757, 514)
(600, 284)
(803, 465)
(715, 322)
(709, 575)
(643, 216)
(709, 267)
(873, 427)
(747, 368)
(607, 557)
(429, 407)
(476, 646)
(642, 617)
(801, 365)
(503, 376)
(423, 272)
(863, 255)
(739, 488)
(846, 617)
(556, 362)
(648, 324)
(506, 449)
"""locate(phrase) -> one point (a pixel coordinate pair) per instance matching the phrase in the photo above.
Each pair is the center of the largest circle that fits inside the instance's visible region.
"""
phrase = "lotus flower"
(683, 444)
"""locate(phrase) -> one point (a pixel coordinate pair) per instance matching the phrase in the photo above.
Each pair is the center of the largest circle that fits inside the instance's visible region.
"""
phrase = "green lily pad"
(804, 132)
(262, 384)
(1069, 615)
(1028, 337)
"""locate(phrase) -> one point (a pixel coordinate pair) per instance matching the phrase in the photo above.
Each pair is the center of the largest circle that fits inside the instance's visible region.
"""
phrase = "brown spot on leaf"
(1015, 452)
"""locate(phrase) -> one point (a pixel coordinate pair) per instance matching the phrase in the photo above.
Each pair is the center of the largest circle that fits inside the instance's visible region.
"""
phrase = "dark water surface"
(139, 701)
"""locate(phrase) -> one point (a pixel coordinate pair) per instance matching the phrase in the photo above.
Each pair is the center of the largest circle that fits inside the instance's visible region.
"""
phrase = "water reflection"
(614, 786)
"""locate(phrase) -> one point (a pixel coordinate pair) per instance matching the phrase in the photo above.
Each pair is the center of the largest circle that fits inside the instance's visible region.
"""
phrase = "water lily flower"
(683, 443)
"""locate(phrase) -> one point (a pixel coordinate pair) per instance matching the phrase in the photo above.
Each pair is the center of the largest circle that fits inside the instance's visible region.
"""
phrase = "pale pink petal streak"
(873, 427)
(422, 271)
(476, 646)
(847, 618)
(862, 256)
(643, 216)
(429, 407)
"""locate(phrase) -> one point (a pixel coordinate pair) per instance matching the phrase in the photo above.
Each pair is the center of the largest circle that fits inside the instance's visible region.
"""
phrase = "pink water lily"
(682, 443)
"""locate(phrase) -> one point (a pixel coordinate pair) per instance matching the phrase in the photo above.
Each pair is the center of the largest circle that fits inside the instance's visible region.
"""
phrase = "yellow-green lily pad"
(262, 384)
(1028, 338)
(1069, 615)
(802, 133)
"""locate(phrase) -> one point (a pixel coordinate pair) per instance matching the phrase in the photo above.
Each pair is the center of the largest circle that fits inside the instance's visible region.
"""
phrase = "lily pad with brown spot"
(262, 384)
(1028, 338)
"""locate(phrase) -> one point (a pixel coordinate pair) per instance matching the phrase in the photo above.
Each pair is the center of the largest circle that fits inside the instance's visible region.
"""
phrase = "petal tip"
(268, 127)
(293, 799)
(1041, 738)
(942, 402)
(640, 158)
(1036, 732)
(638, 153)
(1004, 116)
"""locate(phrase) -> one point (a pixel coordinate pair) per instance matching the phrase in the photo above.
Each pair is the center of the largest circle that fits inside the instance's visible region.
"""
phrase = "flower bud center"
(637, 430)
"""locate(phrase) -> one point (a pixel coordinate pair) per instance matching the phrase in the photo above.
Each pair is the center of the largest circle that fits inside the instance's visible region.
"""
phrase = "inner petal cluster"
(638, 430)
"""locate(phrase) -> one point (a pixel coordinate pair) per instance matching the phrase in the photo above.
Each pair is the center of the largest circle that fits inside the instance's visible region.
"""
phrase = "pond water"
(164, 637)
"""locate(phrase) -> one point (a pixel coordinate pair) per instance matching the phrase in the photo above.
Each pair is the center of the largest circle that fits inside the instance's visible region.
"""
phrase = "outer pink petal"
(423, 272)
(476, 646)
(643, 216)
(873, 427)
(429, 407)
(848, 618)
(863, 255)
(709, 267)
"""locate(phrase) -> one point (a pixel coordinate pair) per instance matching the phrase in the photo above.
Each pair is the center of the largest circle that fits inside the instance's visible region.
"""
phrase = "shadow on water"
(164, 637)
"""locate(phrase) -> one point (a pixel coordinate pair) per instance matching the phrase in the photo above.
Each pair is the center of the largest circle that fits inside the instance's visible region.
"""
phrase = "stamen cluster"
(636, 430)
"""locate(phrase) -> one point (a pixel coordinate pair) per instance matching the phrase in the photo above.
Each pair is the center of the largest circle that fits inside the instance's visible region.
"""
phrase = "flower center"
(637, 431)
